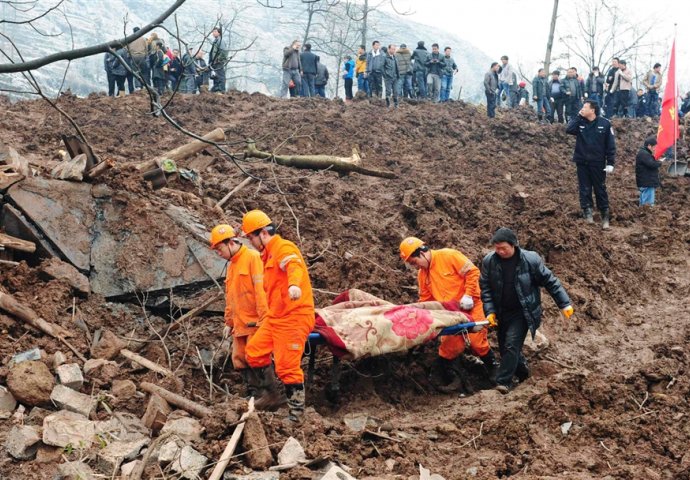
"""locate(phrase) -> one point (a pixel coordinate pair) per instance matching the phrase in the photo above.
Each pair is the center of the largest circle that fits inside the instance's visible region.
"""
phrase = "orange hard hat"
(254, 220)
(409, 246)
(221, 233)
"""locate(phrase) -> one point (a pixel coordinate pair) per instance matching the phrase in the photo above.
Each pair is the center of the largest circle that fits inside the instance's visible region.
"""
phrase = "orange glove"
(491, 318)
(568, 311)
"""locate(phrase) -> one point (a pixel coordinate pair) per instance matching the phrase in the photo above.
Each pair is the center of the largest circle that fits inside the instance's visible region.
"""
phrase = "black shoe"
(605, 219)
(270, 390)
(491, 365)
(295, 400)
(588, 215)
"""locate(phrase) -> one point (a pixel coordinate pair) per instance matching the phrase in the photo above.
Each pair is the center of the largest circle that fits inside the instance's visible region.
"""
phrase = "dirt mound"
(613, 377)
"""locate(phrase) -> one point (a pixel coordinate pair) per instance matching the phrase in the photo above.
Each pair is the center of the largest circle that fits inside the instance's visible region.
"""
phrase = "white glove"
(227, 330)
(608, 169)
(466, 303)
(294, 292)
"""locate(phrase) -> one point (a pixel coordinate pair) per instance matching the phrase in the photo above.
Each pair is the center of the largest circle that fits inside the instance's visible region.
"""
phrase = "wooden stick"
(190, 406)
(15, 243)
(239, 187)
(232, 445)
(184, 151)
(100, 168)
(9, 262)
(145, 362)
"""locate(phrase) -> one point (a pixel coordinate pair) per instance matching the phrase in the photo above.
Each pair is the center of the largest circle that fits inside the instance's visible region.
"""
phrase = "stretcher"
(315, 340)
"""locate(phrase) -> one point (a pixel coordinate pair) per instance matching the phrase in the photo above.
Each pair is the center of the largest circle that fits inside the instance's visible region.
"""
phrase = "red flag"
(668, 122)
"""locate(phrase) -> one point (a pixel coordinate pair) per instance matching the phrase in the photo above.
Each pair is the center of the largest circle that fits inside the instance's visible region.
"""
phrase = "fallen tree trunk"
(232, 444)
(343, 165)
(15, 243)
(185, 404)
(183, 151)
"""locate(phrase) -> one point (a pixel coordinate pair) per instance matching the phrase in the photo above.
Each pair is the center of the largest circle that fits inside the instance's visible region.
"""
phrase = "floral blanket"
(360, 325)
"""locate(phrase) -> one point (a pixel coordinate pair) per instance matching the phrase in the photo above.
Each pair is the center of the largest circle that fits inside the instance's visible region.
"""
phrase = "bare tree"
(549, 42)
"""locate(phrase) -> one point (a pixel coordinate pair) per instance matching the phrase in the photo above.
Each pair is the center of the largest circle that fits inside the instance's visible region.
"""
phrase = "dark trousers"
(571, 107)
(512, 331)
(623, 102)
(141, 66)
(376, 84)
(159, 85)
(219, 80)
(320, 91)
(308, 87)
(557, 109)
(130, 82)
(611, 104)
(111, 84)
(391, 90)
(420, 77)
(348, 89)
(652, 103)
(592, 177)
(490, 104)
(120, 81)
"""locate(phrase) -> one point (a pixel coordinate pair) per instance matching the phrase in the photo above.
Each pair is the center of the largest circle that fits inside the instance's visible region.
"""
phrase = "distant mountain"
(254, 69)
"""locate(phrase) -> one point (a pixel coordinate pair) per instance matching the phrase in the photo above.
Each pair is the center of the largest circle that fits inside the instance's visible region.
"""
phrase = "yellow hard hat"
(409, 246)
(221, 233)
(254, 220)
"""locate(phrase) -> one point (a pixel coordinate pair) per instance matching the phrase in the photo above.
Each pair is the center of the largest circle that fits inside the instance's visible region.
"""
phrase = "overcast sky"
(519, 28)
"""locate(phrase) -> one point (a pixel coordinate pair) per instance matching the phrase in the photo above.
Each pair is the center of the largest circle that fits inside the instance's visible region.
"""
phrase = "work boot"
(587, 215)
(121, 93)
(251, 382)
(295, 401)
(272, 395)
(491, 365)
(605, 219)
(453, 379)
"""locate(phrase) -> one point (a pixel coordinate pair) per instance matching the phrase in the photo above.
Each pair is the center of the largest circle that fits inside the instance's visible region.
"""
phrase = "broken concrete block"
(186, 428)
(15, 224)
(22, 442)
(70, 375)
(31, 383)
(74, 471)
(108, 346)
(357, 422)
(68, 428)
(48, 454)
(68, 399)
(123, 389)
(33, 354)
(334, 472)
(7, 401)
(127, 468)
(111, 457)
(258, 455)
(169, 451)
(125, 427)
(252, 476)
(189, 463)
(36, 416)
(292, 452)
(55, 268)
(58, 359)
(157, 412)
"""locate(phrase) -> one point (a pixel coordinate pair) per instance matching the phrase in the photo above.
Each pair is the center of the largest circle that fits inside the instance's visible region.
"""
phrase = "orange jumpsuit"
(288, 322)
(245, 300)
(450, 276)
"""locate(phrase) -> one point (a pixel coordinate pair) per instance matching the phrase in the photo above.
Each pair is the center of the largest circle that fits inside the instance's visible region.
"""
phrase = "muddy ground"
(619, 372)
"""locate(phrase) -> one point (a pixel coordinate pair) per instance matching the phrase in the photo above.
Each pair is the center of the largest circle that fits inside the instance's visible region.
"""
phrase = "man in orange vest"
(448, 275)
(290, 316)
(245, 298)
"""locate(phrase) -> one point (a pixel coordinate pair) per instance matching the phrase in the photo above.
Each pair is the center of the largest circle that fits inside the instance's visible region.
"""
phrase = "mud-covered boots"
(588, 215)
(491, 365)
(605, 218)
(295, 401)
(270, 390)
(453, 380)
(251, 382)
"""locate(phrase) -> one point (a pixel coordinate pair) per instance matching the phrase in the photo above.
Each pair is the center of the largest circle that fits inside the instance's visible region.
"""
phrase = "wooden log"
(343, 165)
(183, 151)
(185, 404)
(232, 445)
(145, 362)
(239, 187)
(26, 314)
(100, 168)
(8, 241)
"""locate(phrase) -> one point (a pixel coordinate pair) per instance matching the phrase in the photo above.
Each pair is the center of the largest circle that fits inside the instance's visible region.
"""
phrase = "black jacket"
(646, 169)
(609, 78)
(420, 56)
(539, 88)
(561, 90)
(595, 143)
(435, 64)
(308, 61)
(391, 70)
(531, 273)
(595, 84)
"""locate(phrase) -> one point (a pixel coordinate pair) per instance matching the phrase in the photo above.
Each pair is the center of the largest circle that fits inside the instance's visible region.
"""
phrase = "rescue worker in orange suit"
(447, 275)
(290, 317)
(245, 297)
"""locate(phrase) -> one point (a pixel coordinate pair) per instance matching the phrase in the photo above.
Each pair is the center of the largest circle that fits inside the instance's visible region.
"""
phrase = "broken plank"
(232, 444)
(185, 404)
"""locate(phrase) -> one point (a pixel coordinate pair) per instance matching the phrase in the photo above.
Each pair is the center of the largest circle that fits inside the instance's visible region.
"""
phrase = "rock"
(186, 428)
(157, 411)
(189, 463)
(125, 427)
(127, 468)
(58, 359)
(71, 400)
(33, 354)
(258, 455)
(93, 364)
(108, 346)
(22, 442)
(565, 427)
(539, 344)
(123, 389)
(472, 471)
(292, 452)
(252, 476)
(74, 471)
(68, 428)
(31, 383)
(390, 464)
(357, 422)
(111, 457)
(55, 268)
(7, 401)
(70, 375)
(334, 472)
(169, 451)
(101, 372)
(48, 454)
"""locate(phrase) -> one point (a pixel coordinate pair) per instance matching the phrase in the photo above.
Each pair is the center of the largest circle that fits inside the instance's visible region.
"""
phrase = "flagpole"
(675, 109)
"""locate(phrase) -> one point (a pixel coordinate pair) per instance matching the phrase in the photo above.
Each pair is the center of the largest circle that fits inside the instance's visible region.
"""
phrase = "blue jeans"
(595, 97)
(647, 195)
(512, 331)
(362, 84)
(543, 105)
(285, 85)
(446, 87)
(653, 103)
(491, 104)
(504, 87)
(308, 87)
(320, 91)
(420, 77)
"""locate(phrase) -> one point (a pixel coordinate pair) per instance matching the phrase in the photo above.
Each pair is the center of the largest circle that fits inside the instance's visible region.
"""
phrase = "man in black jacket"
(375, 60)
(309, 62)
(419, 58)
(610, 104)
(435, 65)
(540, 95)
(595, 155)
(391, 74)
(510, 281)
(647, 172)
(556, 92)
(594, 87)
(217, 61)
